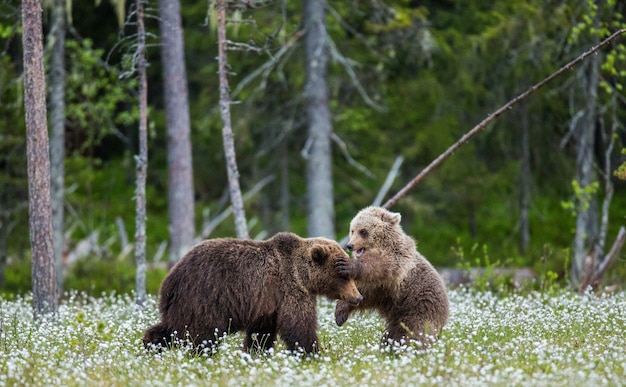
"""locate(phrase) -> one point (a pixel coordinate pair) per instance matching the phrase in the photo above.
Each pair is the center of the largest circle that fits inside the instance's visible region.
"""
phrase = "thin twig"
(346, 153)
(355, 79)
(238, 46)
(491, 117)
(267, 66)
(213, 223)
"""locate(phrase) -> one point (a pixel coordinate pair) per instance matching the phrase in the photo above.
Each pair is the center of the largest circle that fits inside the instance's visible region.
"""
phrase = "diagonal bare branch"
(491, 117)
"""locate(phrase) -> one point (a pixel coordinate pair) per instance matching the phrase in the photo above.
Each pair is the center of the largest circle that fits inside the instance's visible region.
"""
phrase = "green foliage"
(552, 266)
(620, 172)
(98, 276)
(582, 195)
(98, 104)
(437, 68)
(88, 275)
(482, 269)
(18, 278)
(13, 168)
(8, 31)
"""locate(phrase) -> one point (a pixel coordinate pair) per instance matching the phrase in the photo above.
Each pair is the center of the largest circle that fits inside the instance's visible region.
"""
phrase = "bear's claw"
(343, 267)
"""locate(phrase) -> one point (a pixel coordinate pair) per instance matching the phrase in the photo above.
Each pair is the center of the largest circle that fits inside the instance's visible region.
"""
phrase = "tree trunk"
(596, 264)
(321, 208)
(525, 179)
(285, 197)
(236, 199)
(179, 160)
(44, 282)
(57, 130)
(142, 160)
(586, 204)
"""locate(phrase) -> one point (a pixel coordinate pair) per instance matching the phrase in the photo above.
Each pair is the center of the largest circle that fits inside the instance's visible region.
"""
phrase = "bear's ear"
(319, 255)
(392, 218)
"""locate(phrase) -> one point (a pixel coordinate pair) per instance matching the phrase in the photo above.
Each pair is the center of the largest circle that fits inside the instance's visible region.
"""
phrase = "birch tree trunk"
(321, 208)
(179, 156)
(142, 160)
(586, 204)
(57, 133)
(236, 199)
(44, 282)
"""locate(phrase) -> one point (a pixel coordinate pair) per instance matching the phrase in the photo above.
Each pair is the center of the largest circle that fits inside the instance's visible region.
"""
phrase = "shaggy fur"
(262, 288)
(394, 278)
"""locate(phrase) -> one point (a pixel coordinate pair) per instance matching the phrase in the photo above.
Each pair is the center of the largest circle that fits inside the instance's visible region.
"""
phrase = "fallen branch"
(391, 176)
(491, 117)
(609, 258)
(517, 277)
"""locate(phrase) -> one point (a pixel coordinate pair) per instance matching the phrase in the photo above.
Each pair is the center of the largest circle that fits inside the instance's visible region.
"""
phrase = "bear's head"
(324, 278)
(374, 227)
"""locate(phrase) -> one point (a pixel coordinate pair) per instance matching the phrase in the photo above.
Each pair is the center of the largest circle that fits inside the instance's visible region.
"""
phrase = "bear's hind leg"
(300, 338)
(208, 340)
(259, 340)
(407, 331)
(261, 335)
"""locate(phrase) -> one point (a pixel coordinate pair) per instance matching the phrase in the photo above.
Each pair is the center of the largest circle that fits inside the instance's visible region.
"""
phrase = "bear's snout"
(350, 246)
(355, 301)
(351, 294)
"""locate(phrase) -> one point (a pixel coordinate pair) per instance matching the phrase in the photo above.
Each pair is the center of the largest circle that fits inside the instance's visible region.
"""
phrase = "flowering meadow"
(534, 339)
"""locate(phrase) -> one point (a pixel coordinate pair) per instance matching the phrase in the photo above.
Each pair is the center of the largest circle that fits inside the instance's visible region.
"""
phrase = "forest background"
(405, 79)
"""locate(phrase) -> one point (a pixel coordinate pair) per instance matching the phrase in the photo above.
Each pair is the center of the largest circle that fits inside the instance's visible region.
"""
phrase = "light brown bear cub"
(394, 279)
(262, 288)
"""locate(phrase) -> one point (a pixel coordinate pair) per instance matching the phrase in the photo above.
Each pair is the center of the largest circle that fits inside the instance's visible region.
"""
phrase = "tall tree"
(57, 131)
(584, 128)
(524, 178)
(586, 178)
(142, 159)
(320, 212)
(44, 282)
(179, 160)
(594, 141)
(236, 199)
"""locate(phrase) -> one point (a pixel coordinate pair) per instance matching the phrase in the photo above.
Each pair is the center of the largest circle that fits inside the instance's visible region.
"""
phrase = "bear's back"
(214, 268)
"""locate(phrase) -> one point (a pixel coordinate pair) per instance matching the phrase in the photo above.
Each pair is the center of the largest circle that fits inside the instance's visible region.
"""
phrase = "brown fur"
(262, 288)
(394, 278)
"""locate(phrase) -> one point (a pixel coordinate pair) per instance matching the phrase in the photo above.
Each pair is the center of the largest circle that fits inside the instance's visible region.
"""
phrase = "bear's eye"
(363, 233)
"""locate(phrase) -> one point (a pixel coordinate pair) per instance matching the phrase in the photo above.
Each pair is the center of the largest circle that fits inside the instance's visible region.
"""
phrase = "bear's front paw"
(343, 267)
(342, 312)
(347, 268)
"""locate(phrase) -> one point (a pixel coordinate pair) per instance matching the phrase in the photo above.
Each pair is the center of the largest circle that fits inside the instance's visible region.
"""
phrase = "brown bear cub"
(394, 278)
(262, 288)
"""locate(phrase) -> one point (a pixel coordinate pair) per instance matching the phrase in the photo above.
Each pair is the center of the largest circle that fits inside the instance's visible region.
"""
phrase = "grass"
(534, 339)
